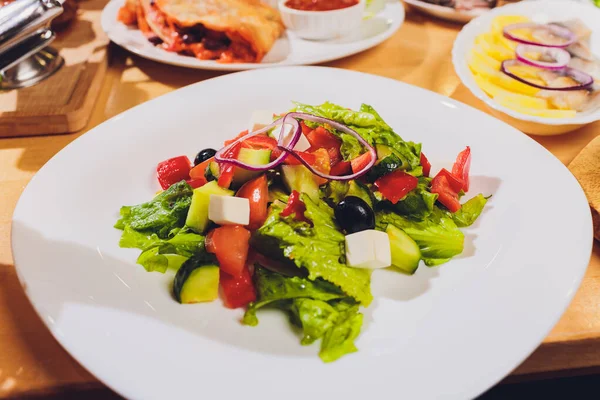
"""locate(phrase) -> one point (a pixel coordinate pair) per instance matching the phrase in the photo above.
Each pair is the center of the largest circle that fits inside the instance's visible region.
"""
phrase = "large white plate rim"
(472, 385)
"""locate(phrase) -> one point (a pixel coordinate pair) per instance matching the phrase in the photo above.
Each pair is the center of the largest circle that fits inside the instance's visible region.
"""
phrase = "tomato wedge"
(396, 185)
(305, 128)
(454, 182)
(360, 162)
(291, 160)
(173, 170)
(321, 164)
(230, 243)
(295, 206)
(239, 290)
(462, 166)
(425, 164)
(446, 196)
(260, 142)
(257, 193)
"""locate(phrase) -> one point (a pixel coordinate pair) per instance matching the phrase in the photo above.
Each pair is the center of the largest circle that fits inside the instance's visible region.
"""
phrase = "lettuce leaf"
(318, 248)
(469, 211)
(273, 287)
(418, 203)
(160, 254)
(166, 212)
(319, 308)
(437, 235)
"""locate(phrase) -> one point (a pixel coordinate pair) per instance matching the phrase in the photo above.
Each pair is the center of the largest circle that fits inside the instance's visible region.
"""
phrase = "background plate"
(288, 50)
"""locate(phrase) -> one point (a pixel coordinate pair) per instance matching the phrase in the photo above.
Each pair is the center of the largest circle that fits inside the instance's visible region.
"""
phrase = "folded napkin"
(586, 168)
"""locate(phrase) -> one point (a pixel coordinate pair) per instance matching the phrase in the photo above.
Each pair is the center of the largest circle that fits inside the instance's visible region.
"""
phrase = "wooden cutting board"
(62, 103)
(586, 168)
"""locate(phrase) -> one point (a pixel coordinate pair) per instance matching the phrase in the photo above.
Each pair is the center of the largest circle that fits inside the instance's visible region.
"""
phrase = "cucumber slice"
(197, 280)
(405, 252)
(197, 217)
(300, 179)
(212, 172)
(253, 157)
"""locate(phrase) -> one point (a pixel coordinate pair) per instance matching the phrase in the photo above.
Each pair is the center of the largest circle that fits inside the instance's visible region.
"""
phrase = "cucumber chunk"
(197, 217)
(405, 252)
(252, 157)
(300, 179)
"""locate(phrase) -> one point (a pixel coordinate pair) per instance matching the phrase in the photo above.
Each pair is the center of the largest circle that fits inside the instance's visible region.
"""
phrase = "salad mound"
(296, 213)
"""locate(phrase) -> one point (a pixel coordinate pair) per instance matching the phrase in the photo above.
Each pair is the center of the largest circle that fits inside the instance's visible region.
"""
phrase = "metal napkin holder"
(25, 33)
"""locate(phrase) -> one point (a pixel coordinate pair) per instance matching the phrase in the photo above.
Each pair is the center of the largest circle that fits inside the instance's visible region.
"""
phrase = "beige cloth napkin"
(586, 168)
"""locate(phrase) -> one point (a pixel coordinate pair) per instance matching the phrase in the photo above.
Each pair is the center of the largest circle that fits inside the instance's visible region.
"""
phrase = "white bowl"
(540, 11)
(322, 25)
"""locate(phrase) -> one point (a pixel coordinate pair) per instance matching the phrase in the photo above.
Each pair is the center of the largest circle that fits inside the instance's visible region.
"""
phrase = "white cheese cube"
(228, 210)
(260, 119)
(368, 249)
(302, 145)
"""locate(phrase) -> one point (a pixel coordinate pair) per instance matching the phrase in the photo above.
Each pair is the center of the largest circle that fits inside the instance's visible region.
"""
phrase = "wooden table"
(32, 363)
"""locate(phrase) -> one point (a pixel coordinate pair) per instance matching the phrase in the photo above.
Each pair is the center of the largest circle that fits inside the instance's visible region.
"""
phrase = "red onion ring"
(561, 56)
(340, 127)
(557, 30)
(584, 79)
(219, 156)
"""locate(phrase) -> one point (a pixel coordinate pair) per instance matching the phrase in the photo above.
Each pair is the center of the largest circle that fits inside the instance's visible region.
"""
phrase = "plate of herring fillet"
(237, 35)
(352, 240)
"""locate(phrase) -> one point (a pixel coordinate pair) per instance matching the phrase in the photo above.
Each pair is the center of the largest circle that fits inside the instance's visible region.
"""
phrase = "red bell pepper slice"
(230, 243)
(295, 206)
(425, 164)
(321, 138)
(239, 290)
(462, 166)
(257, 193)
(305, 128)
(454, 182)
(173, 170)
(341, 168)
(291, 160)
(396, 185)
(446, 196)
(227, 170)
(360, 162)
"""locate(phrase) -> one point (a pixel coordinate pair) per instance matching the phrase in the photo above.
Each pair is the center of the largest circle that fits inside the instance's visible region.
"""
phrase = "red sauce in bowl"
(320, 5)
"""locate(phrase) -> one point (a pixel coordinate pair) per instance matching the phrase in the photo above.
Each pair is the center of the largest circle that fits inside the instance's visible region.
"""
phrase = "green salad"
(296, 213)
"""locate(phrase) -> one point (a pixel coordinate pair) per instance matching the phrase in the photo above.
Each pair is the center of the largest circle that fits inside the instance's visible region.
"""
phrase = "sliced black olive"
(353, 214)
(204, 155)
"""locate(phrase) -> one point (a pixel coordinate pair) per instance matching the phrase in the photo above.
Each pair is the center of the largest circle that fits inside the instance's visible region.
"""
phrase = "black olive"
(353, 214)
(204, 155)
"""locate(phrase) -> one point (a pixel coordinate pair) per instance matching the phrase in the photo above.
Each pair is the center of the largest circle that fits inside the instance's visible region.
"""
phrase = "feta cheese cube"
(368, 249)
(228, 210)
(302, 145)
(260, 119)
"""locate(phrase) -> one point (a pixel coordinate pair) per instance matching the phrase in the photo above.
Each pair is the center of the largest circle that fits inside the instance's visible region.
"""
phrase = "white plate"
(542, 12)
(445, 13)
(288, 50)
(449, 332)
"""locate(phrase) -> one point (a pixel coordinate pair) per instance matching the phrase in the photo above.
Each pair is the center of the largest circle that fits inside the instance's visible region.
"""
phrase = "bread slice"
(586, 168)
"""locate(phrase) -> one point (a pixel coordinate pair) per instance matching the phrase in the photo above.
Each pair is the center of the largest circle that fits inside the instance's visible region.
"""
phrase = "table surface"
(33, 363)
